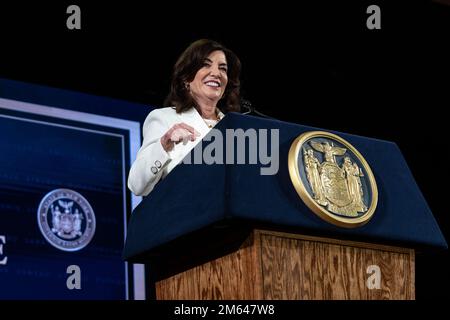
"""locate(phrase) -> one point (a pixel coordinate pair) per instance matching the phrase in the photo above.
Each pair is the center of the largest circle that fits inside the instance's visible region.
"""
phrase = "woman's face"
(210, 80)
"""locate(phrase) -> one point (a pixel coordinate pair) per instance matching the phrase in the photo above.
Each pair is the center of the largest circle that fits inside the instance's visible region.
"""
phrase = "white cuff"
(160, 157)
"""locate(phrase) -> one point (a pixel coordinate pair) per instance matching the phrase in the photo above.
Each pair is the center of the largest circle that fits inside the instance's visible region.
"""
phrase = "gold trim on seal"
(317, 205)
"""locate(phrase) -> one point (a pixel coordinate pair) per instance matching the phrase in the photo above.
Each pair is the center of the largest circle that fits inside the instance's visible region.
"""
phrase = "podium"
(224, 231)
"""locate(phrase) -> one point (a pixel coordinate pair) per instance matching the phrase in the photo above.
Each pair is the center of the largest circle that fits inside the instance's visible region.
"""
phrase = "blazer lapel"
(195, 120)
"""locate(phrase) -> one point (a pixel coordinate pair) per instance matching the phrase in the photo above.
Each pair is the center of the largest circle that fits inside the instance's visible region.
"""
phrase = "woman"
(205, 86)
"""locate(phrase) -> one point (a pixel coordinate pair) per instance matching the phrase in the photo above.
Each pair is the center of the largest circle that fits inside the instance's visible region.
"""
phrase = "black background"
(311, 62)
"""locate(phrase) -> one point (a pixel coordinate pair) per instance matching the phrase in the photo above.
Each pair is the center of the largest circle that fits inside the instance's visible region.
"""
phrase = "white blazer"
(152, 161)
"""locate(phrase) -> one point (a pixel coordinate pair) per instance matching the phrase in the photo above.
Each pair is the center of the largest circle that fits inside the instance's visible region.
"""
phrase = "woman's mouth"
(213, 84)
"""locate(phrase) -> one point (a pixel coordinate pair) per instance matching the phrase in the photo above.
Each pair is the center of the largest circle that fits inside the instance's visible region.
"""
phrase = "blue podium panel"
(196, 195)
(402, 216)
(63, 208)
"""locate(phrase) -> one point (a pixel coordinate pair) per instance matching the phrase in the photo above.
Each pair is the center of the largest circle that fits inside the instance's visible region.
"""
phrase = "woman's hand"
(179, 132)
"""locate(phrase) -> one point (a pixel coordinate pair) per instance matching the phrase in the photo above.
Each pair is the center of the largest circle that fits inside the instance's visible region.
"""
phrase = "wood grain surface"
(275, 265)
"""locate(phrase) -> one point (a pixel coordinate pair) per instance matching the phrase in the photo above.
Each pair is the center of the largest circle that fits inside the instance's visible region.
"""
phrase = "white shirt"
(152, 161)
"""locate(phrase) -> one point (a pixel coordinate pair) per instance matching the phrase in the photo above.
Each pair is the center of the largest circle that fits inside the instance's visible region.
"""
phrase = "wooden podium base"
(274, 265)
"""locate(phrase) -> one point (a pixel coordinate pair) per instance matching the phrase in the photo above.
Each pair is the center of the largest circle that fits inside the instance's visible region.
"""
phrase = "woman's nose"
(215, 71)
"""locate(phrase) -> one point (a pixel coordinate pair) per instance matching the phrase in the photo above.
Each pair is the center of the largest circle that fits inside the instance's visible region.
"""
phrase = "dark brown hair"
(186, 67)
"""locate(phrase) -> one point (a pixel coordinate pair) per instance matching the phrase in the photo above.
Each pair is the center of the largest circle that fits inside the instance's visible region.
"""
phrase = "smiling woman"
(205, 86)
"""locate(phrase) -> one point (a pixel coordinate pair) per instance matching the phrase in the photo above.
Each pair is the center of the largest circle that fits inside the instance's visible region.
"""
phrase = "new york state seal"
(333, 179)
(66, 220)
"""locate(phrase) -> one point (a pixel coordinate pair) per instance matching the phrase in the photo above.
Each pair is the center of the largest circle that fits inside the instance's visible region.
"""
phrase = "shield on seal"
(334, 184)
(66, 225)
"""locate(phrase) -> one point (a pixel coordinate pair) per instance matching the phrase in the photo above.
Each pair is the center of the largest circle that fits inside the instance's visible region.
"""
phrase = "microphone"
(251, 110)
(247, 105)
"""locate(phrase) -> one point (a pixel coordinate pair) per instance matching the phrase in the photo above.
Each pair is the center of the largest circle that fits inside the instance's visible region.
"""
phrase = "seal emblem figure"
(333, 179)
(66, 220)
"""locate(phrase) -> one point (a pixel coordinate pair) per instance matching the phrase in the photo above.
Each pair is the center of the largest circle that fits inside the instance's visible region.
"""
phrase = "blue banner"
(63, 208)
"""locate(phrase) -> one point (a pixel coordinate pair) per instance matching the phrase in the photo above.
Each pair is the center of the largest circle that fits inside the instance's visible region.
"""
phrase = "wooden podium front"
(275, 265)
